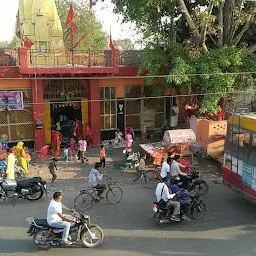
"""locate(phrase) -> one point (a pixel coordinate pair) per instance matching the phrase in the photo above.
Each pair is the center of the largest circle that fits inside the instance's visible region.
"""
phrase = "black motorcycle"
(45, 237)
(30, 189)
(194, 183)
(196, 209)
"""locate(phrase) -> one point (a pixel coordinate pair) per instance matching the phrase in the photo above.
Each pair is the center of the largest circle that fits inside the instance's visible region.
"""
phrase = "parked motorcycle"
(30, 189)
(194, 183)
(45, 237)
(196, 210)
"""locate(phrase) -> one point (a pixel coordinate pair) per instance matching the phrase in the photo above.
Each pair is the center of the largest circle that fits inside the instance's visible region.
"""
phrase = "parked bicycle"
(86, 197)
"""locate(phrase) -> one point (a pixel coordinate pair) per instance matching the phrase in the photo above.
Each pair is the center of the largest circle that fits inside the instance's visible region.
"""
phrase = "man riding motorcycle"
(164, 198)
(56, 219)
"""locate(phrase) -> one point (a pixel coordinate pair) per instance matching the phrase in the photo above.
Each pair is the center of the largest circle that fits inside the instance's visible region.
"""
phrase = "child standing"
(52, 167)
(103, 156)
(110, 150)
(66, 154)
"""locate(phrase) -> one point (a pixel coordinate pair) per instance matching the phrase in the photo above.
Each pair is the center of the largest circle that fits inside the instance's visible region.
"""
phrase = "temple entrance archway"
(64, 100)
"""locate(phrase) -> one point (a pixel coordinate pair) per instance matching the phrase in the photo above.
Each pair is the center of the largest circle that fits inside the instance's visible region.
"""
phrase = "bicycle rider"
(95, 176)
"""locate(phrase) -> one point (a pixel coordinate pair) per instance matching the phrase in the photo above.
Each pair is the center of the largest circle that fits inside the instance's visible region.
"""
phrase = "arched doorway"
(64, 100)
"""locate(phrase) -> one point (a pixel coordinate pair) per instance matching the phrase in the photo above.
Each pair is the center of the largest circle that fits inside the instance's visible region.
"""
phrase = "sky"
(104, 12)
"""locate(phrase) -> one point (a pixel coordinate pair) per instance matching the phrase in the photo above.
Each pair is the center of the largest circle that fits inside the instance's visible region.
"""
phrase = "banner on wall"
(120, 114)
(12, 99)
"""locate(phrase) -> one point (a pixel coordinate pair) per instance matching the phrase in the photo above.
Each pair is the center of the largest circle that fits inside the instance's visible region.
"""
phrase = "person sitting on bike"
(166, 168)
(175, 170)
(95, 176)
(56, 219)
(142, 164)
(162, 194)
(182, 197)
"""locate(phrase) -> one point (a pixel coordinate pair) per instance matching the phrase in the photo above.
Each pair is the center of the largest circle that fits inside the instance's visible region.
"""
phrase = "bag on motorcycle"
(161, 203)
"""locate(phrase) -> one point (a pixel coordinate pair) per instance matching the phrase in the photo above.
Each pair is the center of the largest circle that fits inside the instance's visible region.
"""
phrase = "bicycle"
(149, 178)
(87, 196)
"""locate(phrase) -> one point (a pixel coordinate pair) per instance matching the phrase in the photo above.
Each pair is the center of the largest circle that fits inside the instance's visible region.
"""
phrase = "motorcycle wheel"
(158, 217)
(42, 239)
(149, 179)
(95, 240)
(198, 210)
(201, 187)
(36, 195)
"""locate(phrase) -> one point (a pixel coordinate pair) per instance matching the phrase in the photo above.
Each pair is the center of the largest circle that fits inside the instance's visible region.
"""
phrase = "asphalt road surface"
(228, 227)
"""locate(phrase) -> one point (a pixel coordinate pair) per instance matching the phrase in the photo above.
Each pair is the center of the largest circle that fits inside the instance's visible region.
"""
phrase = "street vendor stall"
(178, 142)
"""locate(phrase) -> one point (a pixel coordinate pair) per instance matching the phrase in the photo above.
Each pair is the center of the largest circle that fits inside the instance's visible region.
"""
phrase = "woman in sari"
(56, 141)
(78, 129)
(21, 156)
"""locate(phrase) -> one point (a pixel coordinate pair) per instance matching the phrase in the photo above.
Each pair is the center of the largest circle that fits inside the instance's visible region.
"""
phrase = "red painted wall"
(37, 88)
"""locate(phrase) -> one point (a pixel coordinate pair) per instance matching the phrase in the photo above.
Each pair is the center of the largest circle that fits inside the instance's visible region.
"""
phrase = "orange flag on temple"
(71, 15)
(111, 46)
(73, 29)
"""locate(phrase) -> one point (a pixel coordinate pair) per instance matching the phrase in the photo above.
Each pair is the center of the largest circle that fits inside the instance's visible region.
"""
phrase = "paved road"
(227, 229)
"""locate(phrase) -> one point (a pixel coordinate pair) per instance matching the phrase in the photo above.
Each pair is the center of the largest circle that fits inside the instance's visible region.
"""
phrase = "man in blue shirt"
(95, 176)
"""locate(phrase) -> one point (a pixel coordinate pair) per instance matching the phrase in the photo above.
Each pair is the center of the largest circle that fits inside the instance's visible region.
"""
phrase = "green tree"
(211, 39)
(123, 44)
(87, 23)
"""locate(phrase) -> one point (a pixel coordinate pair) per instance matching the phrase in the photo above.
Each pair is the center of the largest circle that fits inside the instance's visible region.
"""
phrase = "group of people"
(18, 152)
(169, 194)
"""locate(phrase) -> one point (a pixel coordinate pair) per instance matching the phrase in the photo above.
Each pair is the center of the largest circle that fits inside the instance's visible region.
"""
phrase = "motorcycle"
(194, 183)
(45, 237)
(30, 189)
(196, 209)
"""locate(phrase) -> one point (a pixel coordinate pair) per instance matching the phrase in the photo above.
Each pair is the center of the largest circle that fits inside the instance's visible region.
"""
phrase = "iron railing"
(129, 58)
(70, 59)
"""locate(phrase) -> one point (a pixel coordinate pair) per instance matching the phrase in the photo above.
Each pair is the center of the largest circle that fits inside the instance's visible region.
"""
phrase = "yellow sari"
(21, 156)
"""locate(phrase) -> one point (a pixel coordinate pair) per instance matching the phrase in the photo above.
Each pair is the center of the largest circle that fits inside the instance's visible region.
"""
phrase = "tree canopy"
(87, 24)
(204, 45)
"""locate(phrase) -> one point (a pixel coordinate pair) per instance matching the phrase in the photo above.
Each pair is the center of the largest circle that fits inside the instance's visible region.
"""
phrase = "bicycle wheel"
(149, 179)
(83, 201)
(114, 195)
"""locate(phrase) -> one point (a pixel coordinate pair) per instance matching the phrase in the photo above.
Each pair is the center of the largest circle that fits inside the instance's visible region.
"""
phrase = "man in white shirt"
(162, 192)
(166, 168)
(175, 170)
(56, 219)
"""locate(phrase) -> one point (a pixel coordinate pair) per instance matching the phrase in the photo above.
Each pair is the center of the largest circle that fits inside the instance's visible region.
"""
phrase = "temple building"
(99, 88)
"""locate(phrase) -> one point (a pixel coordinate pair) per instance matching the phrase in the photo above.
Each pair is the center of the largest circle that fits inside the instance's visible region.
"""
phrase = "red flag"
(27, 42)
(90, 4)
(79, 41)
(111, 46)
(73, 29)
(71, 15)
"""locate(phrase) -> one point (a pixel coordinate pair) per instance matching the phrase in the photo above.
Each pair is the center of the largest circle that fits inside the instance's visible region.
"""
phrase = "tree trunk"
(191, 24)
(220, 24)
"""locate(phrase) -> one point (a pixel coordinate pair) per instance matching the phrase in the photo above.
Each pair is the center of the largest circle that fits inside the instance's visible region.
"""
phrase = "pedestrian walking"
(83, 147)
(103, 156)
(52, 167)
